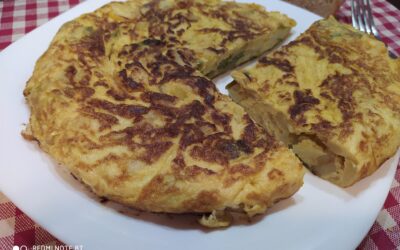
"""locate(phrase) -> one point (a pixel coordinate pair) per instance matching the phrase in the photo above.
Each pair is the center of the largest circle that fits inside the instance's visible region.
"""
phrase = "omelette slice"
(333, 95)
(120, 98)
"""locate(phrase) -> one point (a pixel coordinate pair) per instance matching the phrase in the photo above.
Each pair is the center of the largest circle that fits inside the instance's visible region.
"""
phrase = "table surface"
(21, 16)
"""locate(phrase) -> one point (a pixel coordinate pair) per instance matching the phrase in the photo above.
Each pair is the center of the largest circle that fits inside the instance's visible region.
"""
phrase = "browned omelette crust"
(120, 104)
(335, 88)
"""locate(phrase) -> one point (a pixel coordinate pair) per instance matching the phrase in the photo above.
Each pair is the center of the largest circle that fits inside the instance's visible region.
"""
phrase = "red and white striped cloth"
(21, 16)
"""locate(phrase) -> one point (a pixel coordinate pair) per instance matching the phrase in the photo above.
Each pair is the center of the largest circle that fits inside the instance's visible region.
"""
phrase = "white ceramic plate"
(319, 216)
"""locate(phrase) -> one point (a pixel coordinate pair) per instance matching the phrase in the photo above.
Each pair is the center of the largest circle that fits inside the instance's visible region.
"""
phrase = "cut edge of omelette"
(83, 96)
(332, 95)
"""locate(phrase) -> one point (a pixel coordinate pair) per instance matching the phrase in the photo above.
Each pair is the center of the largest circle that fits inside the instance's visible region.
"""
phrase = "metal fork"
(362, 19)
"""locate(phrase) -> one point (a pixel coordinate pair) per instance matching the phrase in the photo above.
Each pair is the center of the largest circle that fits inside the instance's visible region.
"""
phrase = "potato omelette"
(122, 99)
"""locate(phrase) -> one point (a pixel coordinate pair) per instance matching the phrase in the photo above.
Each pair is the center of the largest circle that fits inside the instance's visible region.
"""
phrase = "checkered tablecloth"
(21, 16)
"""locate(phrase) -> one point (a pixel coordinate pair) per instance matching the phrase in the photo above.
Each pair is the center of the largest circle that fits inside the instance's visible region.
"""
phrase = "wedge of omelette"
(333, 95)
(121, 99)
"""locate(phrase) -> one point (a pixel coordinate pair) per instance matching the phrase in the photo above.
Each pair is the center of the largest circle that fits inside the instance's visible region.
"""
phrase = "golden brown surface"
(118, 100)
(333, 94)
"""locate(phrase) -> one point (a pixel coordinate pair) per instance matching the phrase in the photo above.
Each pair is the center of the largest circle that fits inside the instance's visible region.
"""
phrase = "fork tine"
(367, 16)
(354, 19)
(360, 14)
(374, 31)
